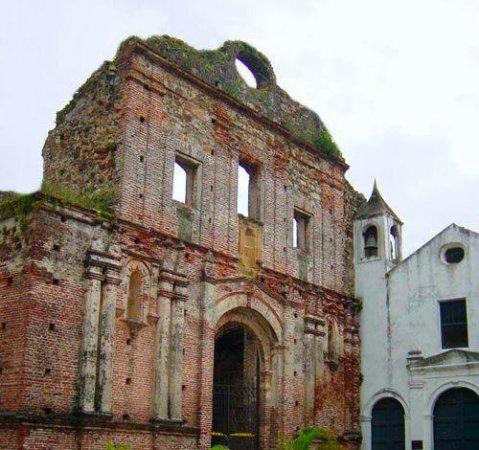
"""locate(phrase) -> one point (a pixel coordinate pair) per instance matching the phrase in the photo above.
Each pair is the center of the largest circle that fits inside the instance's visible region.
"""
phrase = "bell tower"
(377, 249)
(377, 232)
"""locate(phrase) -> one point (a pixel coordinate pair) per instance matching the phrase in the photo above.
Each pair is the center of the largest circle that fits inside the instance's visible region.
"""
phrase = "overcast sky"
(396, 82)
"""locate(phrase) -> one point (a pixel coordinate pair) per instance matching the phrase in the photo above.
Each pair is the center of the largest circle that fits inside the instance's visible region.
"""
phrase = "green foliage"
(234, 89)
(359, 304)
(219, 447)
(19, 206)
(326, 143)
(112, 446)
(101, 200)
(303, 440)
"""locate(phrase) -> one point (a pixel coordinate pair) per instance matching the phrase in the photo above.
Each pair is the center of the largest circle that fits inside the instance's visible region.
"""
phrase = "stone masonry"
(112, 293)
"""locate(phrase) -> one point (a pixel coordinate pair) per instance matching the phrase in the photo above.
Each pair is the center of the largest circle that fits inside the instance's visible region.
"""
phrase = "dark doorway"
(456, 420)
(235, 391)
(387, 427)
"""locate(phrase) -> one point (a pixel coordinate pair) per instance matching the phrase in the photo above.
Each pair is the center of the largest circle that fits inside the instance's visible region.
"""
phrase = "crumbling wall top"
(217, 68)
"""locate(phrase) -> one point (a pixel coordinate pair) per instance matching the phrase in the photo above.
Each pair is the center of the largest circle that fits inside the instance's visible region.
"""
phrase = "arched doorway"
(387, 425)
(456, 420)
(236, 389)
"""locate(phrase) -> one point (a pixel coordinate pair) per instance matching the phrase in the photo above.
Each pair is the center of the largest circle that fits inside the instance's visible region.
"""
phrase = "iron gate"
(235, 416)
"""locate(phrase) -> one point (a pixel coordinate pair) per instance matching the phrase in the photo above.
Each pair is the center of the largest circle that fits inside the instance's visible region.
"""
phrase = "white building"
(419, 333)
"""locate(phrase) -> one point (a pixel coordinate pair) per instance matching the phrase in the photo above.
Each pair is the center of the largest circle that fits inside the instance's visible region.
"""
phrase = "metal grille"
(235, 416)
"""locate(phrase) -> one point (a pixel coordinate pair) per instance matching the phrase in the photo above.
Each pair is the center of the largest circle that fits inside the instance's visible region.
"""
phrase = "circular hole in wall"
(452, 253)
(246, 74)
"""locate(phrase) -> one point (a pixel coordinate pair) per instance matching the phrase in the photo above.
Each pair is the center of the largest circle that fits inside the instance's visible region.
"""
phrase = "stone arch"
(241, 299)
(385, 393)
(255, 323)
(255, 61)
(370, 239)
(255, 315)
(445, 387)
(454, 415)
(367, 415)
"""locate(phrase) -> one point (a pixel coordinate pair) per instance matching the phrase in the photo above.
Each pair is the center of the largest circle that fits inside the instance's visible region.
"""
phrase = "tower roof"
(376, 206)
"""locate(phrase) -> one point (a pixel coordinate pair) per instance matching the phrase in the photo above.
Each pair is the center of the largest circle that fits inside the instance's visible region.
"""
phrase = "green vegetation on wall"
(20, 206)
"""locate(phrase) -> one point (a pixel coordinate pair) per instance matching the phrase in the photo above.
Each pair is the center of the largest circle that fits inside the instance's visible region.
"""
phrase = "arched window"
(370, 237)
(135, 288)
(394, 242)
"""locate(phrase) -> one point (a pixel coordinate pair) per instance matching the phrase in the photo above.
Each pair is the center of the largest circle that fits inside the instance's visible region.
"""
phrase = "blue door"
(387, 425)
(456, 420)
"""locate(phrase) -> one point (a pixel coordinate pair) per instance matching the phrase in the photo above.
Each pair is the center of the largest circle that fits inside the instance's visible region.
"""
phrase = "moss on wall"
(21, 206)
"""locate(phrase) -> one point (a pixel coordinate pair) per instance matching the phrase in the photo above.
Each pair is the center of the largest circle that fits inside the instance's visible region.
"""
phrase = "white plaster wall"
(401, 312)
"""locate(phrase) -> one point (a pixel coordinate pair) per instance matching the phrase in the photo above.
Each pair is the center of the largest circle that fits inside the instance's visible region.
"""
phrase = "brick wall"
(128, 123)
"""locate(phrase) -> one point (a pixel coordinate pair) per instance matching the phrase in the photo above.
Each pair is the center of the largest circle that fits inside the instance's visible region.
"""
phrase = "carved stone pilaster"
(98, 328)
(172, 292)
(162, 376)
(313, 333)
(176, 355)
(90, 339)
(107, 330)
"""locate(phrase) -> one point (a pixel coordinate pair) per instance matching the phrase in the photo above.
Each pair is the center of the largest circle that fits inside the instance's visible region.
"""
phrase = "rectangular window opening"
(248, 191)
(454, 323)
(184, 174)
(300, 230)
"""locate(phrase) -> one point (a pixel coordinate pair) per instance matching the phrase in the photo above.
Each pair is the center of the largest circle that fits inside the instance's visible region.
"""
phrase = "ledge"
(92, 421)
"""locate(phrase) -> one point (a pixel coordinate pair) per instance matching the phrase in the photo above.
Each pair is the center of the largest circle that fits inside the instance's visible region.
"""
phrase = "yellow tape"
(217, 433)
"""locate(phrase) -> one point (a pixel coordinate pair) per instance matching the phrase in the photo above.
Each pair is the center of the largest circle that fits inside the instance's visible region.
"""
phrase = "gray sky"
(396, 82)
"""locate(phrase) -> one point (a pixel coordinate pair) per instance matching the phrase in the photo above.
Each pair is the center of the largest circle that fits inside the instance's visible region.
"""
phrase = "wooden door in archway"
(456, 420)
(388, 425)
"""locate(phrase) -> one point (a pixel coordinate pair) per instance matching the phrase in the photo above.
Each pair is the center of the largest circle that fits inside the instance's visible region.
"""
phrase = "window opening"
(183, 181)
(300, 230)
(249, 200)
(454, 323)
(454, 255)
(394, 242)
(243, 191)
(246, 74)
(179, 183)
(370, 242)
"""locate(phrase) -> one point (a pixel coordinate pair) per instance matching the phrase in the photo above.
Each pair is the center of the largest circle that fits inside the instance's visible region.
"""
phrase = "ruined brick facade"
(112, 294)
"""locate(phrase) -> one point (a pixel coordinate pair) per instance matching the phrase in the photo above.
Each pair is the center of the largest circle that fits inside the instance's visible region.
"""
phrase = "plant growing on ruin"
(113, 446)
(326, 143)
(19, 206)
(219, 447)
(101, 199)
(302, 441)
